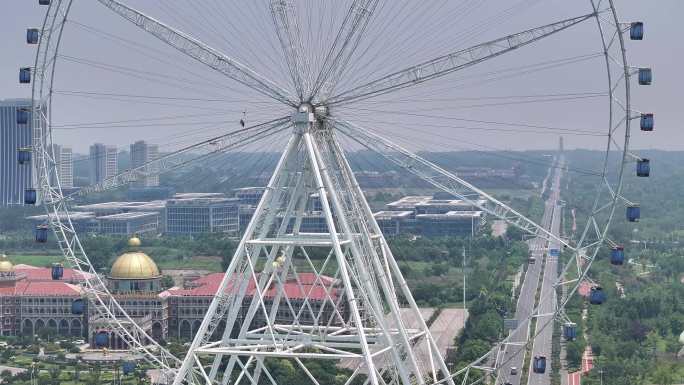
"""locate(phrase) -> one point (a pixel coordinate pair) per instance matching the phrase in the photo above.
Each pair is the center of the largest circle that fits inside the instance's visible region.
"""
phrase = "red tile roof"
(36, 274)
(37, 282)
(47, 289)
(209, 284)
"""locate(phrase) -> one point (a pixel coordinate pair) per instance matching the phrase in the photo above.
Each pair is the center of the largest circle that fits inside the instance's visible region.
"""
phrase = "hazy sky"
(181, 101)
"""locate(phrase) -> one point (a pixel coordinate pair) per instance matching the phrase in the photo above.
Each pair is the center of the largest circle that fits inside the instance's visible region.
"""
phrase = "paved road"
(544, 326)
(512, 354)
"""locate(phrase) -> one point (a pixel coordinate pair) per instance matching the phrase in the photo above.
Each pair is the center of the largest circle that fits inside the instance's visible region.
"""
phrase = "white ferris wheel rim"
(57, 206)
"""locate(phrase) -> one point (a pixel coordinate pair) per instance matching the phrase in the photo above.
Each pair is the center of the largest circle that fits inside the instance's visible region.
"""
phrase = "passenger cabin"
(645, 76)
(32, 35)
(22, 115)
(42, 233)
(597, 296)
(78, 306)
(636, 30)
(633, 212)
(570, 331)
(25, 75)
(128, 367)
(44, 2)
(646, 122)
(643, 168)
(30, 196)
(617, 255)
(23, 155)
(102, 339)
(57, 271)
(539, 364)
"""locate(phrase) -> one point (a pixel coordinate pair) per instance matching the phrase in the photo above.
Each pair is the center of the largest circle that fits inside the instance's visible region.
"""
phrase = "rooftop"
(308, 287)
(73, 215)
(452, 215)
(392, 214)
(123, 206)
(198, 195)
(129, 216)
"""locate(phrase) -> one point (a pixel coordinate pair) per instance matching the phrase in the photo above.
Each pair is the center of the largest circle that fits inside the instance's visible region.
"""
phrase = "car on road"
(514, 370)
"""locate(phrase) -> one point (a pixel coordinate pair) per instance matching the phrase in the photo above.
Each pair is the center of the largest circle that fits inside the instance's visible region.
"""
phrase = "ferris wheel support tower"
(350, 325)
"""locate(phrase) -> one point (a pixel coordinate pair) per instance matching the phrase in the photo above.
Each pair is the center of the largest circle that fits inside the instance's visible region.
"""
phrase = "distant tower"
(103, 162)
(141, 153)
(15, 133)
(560, 144)
(64, 160)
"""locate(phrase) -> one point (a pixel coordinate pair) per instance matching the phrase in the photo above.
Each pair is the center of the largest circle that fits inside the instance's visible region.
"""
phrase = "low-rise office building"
(188, 214)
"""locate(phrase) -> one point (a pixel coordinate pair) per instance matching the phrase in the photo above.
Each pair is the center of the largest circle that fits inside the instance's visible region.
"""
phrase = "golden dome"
(134, 264)
(5, 264)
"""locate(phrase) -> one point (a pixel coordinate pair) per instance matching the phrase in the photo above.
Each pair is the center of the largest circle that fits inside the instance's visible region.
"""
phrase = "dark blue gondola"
(23, 155)
(25, 75)
(647, 122)
(102, 339)
(570, 331)
(643, 168)
(617, 255)
(633, 213)
(597, 296)
(77, 306)
(30, 196)
(42, 233)
(645, 76)
(32, 35)
(44, 2)
(636, 31)
(128, 367)
(539, 364)
(22, 115)
(57, 271)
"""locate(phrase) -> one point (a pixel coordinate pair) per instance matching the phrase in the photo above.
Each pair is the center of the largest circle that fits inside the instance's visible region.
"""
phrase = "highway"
(527, 297)
(542, 343)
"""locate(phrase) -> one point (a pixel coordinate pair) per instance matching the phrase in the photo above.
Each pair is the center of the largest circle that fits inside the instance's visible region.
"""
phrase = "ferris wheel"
(323, 83)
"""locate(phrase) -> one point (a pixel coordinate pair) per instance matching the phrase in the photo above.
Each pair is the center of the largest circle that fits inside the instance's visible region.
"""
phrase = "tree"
(77, 370)
(573, 354)
(664, 375)
(6, 377)
(95, 373)
(167, 282)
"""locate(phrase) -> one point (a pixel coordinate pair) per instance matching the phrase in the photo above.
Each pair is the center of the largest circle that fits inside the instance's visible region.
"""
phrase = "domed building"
(134, 271)
(135, 281)
(5, 265)
(35, 298)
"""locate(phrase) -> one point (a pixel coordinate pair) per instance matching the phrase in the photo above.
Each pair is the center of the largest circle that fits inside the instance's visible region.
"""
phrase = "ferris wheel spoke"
(444, 180)
(284, 14)
(345, 43)
(454, 61)
(177, 159)
(201, 52)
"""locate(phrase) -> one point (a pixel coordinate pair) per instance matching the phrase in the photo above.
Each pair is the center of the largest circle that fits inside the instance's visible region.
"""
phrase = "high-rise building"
(141, 153)
(103, 162)
(64, 162)
(16, 131)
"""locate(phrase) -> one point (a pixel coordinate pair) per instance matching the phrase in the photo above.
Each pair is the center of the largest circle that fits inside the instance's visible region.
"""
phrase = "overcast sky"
(396, 39)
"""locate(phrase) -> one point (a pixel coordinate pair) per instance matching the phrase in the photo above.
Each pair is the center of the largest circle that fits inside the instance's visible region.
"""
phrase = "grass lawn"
(35, 260)
(199, 263)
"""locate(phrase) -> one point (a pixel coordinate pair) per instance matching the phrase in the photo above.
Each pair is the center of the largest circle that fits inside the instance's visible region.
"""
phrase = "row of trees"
(634, 336)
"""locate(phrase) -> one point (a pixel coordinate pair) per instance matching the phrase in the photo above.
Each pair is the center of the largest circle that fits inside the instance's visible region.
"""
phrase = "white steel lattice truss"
(332, 295)
(340, 312)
